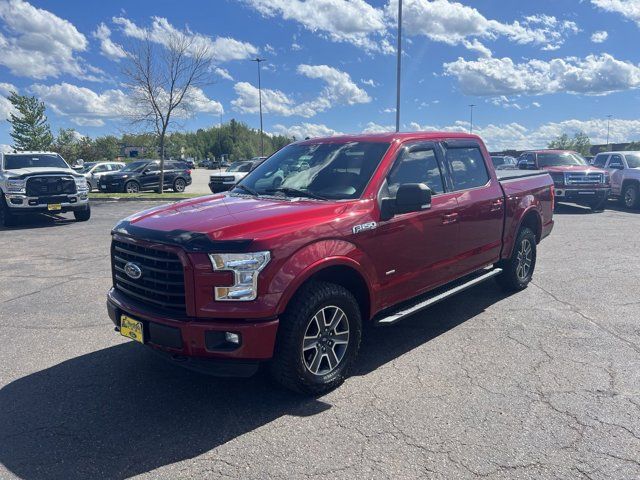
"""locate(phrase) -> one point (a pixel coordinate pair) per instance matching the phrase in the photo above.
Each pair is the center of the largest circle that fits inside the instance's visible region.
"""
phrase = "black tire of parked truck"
(517, 271)
(6, 218)
(598, 205)
(318, 339)
(631, 196)
(82, 215)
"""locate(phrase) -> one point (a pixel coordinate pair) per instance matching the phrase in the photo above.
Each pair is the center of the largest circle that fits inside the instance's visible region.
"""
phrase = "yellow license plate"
(54, 206)
(131, 328)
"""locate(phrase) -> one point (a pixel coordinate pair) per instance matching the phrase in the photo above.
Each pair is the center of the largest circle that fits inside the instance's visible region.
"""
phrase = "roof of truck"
(391, 136)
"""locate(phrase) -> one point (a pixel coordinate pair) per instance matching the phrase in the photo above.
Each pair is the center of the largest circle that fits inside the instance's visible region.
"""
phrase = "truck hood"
(573, 168)
(40, 170)
(230, 217)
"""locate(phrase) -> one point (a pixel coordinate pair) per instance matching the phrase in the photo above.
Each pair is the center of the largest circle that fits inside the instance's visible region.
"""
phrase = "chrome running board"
(438, 295)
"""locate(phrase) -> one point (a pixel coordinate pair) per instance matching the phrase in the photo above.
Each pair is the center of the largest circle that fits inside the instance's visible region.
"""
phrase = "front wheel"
(517, 271)
(598, 205)
(631, 196)
(132, 187)
(7, 219)
(318, 339)
(179, 185)
(82, 215)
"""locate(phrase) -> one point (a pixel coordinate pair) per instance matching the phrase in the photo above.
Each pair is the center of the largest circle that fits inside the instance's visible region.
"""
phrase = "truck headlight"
(245, 268)
(16, 185)
(81, 183)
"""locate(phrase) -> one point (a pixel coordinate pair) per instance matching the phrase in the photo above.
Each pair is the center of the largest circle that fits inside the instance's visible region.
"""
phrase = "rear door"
(412, 251)
(480, 209)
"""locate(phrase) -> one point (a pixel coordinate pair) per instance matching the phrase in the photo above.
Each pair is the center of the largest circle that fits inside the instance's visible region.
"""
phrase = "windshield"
(240, 167)
(318, 170)
(87, 167)
(633, 160)
(134, 167)
(33, 160)
(560, 159)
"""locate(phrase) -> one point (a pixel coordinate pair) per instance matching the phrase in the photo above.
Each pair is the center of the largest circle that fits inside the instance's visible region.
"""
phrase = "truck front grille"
(162, 281)
(50, 185)
(584, 178)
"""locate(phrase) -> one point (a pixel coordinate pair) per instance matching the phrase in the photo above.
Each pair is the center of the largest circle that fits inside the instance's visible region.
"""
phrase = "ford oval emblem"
(133, 271)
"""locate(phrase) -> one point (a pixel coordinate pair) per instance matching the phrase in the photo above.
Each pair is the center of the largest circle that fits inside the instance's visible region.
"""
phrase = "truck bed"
(505, 175)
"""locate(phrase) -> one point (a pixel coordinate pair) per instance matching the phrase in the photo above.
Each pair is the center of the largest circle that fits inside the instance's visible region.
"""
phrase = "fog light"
(16, 201)
(232, 337)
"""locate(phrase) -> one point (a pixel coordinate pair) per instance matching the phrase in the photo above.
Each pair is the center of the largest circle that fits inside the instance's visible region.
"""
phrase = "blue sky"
(534, 69)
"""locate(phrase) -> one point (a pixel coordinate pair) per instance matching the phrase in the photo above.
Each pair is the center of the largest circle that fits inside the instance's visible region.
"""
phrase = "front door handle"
(449, 218)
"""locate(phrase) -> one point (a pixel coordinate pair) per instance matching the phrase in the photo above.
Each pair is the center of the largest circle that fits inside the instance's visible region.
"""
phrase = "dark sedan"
(144, 175)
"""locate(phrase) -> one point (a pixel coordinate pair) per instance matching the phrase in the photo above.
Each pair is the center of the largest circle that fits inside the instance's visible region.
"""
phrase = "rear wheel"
(631, 196)
(82, 215)
(179, 185)
(318, 339)
(132, 187)
(517, 271)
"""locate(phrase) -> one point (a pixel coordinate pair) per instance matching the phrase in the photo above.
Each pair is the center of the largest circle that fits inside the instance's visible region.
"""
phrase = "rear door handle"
(449, 218)
(496, 205)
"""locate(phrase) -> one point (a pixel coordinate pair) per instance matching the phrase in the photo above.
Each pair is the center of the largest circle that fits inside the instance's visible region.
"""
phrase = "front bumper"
(197, 343)
(217, 187)
(111, 187)
(581, 194)
(23, 204)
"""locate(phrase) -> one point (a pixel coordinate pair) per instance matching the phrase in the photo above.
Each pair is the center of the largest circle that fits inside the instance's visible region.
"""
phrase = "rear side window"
(416, 167)
(467, 168)
(600, 160)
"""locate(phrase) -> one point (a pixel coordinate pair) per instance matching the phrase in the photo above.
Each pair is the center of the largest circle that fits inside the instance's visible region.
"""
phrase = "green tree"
(106, 148)
(580, 142)
(561, 142)
(29, 126)
(67, 145)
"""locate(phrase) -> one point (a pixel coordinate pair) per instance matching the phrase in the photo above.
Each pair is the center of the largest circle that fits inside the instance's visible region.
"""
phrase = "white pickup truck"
(34, 182)
(624, 169)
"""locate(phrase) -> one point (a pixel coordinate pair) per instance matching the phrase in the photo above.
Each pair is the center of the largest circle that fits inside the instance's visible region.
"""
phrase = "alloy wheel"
(525, 258)
(326, 339)
(629, 197)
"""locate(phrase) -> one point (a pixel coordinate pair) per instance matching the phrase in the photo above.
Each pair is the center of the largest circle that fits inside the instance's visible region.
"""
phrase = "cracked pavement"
(541, 384)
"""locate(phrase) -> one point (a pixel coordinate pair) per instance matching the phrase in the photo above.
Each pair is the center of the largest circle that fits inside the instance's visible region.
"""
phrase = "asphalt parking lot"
(541, 384)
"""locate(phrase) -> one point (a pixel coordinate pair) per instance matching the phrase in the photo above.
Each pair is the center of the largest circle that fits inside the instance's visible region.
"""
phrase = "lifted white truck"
(37, 182)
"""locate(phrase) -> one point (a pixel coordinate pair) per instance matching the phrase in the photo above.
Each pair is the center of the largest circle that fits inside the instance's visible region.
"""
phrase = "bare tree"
(163, 79)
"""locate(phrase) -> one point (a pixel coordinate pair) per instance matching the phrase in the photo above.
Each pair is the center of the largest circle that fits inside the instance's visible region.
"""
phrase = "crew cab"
(221, 182)
(144, 175)
(36, 182)
(325, 236)
(624, 169)
(575, 180)
(92, 171)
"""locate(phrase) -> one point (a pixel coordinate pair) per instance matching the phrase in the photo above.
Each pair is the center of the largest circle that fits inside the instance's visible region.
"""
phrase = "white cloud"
(87, 108)
(453, 23)
(108, 47)
(305, 130)
(369, 82)
(5, 105)
(627, 8)
(594, 74)
(223, 72)
(222, 49)
(339, 89)
(352, 21)
(39, 44)
(4, 148)
(296, 46)
(599, 37)
(372, 127)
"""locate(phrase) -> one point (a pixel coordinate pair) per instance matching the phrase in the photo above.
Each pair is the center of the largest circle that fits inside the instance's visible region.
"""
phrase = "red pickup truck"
(324, 237)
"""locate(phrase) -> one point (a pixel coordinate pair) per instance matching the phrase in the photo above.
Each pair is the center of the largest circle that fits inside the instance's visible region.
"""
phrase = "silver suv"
(32, 182)
(624, 169)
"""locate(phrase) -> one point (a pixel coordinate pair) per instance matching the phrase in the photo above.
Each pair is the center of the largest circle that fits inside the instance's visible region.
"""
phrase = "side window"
(600, 160)
(153, 167)
(100, 169)
(416, 167)
(467, 167)
(616, 162)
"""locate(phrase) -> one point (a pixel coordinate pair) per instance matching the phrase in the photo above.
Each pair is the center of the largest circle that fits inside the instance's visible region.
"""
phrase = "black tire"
(598, 205)
(179, 185)
(512, 278)
(290, 365)
(132, 187)
(631, 196)
(89, 186)
(6, 218)
(82, 215)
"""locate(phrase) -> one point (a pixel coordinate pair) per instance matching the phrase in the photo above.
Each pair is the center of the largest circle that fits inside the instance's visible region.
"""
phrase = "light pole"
(399, 65)
(608, 122)
(471, 118)
(258, 60)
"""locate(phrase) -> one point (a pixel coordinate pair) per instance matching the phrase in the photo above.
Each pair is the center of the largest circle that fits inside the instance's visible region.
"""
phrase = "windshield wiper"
(298, 192)
(248, 190)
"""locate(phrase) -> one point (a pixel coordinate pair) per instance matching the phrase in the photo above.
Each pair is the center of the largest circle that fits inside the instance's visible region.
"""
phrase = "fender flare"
(532, 208)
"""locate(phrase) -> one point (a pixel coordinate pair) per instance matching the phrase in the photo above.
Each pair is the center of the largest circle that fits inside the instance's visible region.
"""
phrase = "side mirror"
(411, 197)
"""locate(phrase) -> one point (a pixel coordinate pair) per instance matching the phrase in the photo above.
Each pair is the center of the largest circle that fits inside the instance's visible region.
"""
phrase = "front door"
(480, 206)
(412, 250)
(150, 178)
(616, 167)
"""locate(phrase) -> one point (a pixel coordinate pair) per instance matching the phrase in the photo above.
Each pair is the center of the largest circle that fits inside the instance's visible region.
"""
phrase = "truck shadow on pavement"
(121, 411)
(39, 220)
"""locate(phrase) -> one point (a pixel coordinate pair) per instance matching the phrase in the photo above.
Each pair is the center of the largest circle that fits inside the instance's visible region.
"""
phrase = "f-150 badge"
(364, 226)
